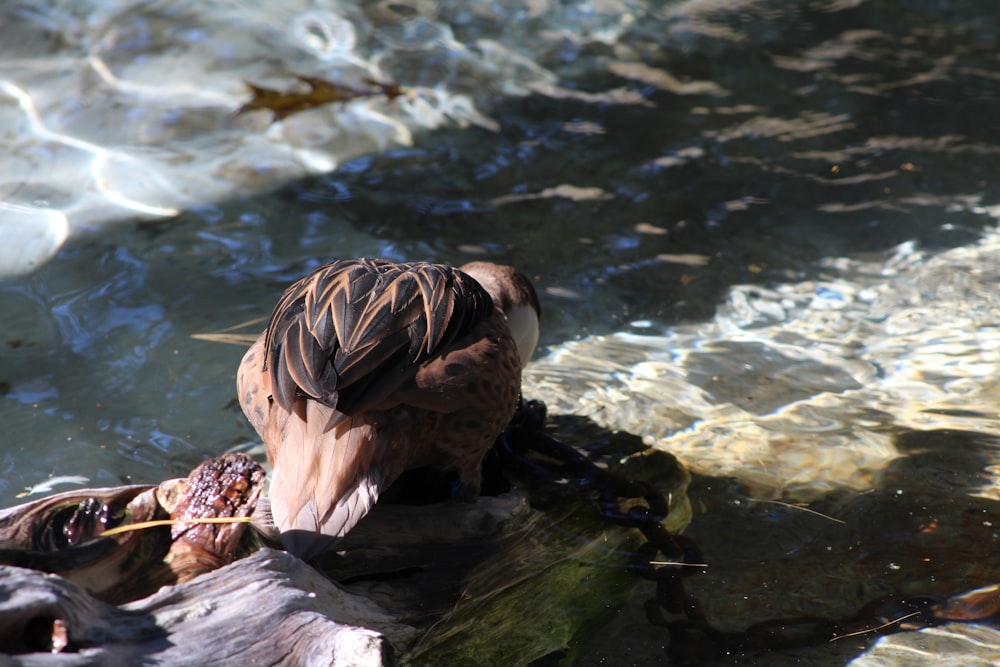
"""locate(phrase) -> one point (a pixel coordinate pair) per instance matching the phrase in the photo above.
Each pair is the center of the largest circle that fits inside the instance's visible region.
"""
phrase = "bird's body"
(369, 368)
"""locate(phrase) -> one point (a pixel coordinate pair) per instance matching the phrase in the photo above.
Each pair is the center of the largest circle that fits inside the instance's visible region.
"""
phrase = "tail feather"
(305, 533)
(322, 482)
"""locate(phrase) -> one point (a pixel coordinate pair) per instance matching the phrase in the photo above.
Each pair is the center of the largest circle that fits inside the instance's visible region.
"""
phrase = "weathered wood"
(416, 581)
(60, 577)
(63, 533)
(269, 608)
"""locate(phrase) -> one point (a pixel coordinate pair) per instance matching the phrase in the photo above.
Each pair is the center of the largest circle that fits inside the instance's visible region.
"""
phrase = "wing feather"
(355, 330)
(439, 301)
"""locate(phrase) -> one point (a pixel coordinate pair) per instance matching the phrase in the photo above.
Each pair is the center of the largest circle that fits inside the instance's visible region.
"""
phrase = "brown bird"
(369, 368)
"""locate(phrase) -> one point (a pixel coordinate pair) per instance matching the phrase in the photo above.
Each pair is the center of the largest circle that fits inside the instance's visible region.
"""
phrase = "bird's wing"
(355, 330)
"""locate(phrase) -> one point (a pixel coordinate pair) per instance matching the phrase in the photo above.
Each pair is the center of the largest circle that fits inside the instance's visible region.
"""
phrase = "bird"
(368, 368)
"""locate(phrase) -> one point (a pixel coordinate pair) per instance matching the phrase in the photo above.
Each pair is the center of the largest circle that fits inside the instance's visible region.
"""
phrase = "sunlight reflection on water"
(781, 396)
(151, 127)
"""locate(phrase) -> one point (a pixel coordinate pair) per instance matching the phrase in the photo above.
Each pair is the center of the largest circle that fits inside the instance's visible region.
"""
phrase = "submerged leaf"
(320, 92)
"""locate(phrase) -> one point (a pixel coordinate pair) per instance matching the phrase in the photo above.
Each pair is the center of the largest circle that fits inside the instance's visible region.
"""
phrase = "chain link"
(668, 559)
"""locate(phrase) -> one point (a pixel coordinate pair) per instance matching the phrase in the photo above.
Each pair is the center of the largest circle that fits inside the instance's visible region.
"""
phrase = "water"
(764, 233)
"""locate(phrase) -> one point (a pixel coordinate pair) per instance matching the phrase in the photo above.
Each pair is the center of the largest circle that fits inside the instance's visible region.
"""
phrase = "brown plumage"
(368, 368)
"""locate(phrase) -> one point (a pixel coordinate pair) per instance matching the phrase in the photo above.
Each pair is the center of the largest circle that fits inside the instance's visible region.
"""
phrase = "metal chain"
(678, 555)
(668, 559)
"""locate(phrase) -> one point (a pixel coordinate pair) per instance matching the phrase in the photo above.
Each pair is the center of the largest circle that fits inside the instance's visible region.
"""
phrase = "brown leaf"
(320, 92)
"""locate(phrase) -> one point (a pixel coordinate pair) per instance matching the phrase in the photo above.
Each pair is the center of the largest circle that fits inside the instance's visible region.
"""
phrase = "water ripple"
(791, 400)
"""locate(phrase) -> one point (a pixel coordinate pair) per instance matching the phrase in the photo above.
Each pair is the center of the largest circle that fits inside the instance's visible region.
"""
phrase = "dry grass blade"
(231, 338)
(797, 507)
(877, 628)
(230, 334)
(143, 525)
(674, 562)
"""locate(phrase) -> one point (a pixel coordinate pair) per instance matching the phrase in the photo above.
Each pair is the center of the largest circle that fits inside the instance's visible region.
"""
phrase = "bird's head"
(513, 293)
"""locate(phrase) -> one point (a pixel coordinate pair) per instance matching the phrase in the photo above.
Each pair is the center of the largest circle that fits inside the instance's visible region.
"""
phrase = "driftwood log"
(498, 582)
(493, 582)
(170, 594)
(269, 608)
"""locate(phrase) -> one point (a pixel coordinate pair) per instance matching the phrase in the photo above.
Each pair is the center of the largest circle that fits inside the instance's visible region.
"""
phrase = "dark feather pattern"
(369, 368)
(353, 331)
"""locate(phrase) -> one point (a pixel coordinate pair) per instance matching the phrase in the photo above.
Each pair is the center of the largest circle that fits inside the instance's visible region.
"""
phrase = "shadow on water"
(923, 534)
(785, 584)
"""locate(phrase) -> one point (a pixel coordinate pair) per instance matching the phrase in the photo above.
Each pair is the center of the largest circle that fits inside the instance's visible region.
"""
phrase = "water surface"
(764, 235)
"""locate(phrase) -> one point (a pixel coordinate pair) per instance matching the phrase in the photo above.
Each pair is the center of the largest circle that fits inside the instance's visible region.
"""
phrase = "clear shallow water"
(803, 388)
(763, 232)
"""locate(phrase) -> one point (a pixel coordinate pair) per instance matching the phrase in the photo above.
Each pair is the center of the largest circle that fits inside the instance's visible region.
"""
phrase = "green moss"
(552, 579)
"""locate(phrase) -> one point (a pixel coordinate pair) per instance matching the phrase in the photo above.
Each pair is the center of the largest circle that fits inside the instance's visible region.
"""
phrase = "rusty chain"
(668, 559)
